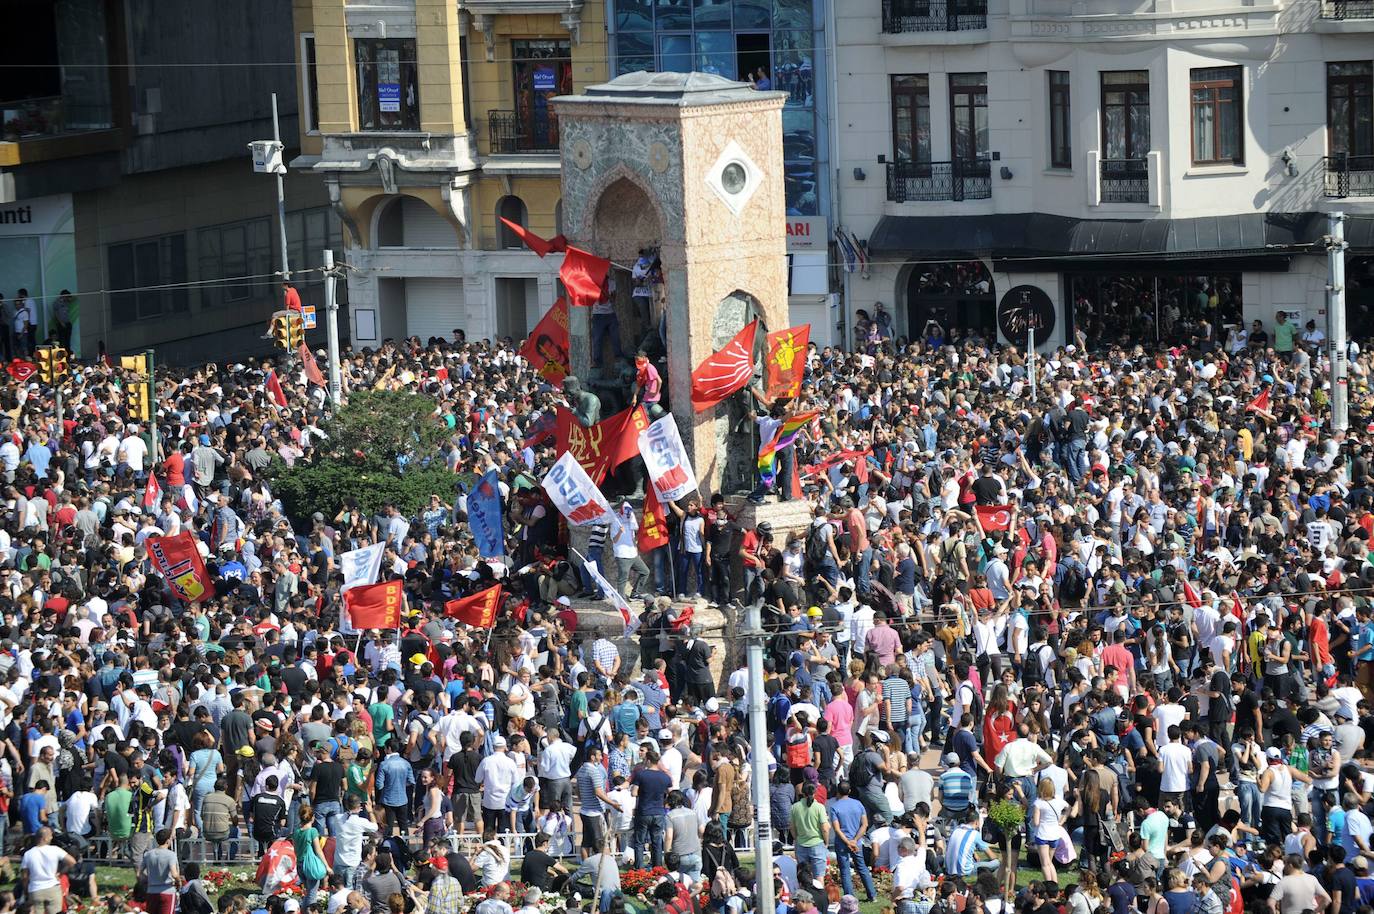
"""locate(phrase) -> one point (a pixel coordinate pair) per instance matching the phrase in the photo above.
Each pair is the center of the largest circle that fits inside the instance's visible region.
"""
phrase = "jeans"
(915, 727)
(861, 574)
(820, 693)
(662, 561)
(593, 555)
(649, 829)
(603, 326)
(328, 817)
(343, 872)
(688, 563)
(844, 857)
(690, 865)
(628, 568)
(1072, 456)
(816, 855)
(1248, 796)
(312, 886)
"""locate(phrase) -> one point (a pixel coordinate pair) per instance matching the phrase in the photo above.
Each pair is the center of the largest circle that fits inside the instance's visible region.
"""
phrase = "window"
(1061, 121)
(309, 232)
(513, 208)
(232, 252)
(911, 118)
(1349, 118)
(310, 83)
(968, 106)
(1217, 116)
(388, 90)
(543, 70)
(1125, 114)
(139, 265)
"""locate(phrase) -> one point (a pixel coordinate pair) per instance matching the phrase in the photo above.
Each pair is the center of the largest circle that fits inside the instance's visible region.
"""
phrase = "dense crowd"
(1119, 633)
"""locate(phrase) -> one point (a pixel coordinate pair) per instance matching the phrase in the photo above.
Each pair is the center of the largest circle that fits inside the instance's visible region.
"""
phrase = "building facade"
(124, 166)
(1128, 169)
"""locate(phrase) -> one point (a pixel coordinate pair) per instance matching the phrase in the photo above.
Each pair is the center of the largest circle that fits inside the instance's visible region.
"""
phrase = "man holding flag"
(777, 433)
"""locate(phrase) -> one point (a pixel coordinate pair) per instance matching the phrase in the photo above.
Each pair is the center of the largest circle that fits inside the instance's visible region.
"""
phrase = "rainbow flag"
(787, 433)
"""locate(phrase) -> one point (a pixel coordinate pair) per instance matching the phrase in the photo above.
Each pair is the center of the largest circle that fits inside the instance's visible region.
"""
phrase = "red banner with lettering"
(604, 446)
(178, 560)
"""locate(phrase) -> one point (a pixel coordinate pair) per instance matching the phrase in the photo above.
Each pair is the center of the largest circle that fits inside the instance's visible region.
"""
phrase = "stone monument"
(690, 162)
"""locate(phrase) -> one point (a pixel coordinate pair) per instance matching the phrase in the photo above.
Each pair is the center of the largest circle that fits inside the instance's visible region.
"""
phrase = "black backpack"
(859, 772)
(816, 550)
(1073, 586)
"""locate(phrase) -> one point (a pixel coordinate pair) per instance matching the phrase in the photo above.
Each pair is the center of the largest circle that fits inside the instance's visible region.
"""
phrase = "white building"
(1142, 163)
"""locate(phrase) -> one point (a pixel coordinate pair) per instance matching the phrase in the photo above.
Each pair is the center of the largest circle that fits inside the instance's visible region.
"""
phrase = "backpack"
(1073, 586)
(975, 707)
(723, 885)
(860, 774)
(949, 555)
(798, 750)
(1033, 671)
(742, 805)
(816, 550)
(776, 713)
(426, 739)
(346, 749)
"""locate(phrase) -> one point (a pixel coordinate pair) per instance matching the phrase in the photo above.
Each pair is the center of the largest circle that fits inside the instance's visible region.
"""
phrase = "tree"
(383, 446)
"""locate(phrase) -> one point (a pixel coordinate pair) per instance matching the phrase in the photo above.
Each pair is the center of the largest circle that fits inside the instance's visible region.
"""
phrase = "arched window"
(513, 208)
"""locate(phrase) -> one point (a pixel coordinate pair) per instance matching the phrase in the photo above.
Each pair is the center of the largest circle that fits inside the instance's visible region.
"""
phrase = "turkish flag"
(21, 370)
(653, 532)
(274, 388)
(312, 368)
(726, 371)
(1260, 403)
(786, 363)
(547, 347)
(994, 517)
(584, 276)
(604, 446)
(151, 492)
(534, 242)
(1191, 595)
(375, 606)
(478, 610)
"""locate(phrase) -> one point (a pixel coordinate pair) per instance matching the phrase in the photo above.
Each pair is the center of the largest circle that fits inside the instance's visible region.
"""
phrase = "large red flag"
(724, 372)
(786, 363)
(584, 276)
(151, 492)
(375, 606)
(604, 446)
(534, 242)
(312, 368)
(21, 370)
(653, 531)
(478, 610)
(1260, 403)
(1190, 594)
(547, 347)
(177, 559)
(994, 517)
(274, 390)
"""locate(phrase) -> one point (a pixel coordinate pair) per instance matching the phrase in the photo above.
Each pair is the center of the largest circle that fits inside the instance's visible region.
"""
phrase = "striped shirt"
(964, 843)
(898, 693)
(590, 778)
(956, 789)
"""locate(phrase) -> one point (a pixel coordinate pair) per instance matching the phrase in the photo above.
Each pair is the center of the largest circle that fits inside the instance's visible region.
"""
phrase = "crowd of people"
(1118, 632)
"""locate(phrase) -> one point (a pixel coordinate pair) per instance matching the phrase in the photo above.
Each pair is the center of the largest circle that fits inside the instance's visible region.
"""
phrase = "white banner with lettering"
(666, 459)
(359, 567)
(576, 496)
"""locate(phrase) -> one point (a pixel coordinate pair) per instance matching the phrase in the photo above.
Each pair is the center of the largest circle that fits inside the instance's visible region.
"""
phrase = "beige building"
(426, 121)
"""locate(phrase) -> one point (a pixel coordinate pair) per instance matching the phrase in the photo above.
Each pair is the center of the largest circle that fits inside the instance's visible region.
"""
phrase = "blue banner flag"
(484, 517)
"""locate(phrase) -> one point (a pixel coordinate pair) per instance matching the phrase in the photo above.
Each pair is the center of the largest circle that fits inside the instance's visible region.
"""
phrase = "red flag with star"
(994, 517)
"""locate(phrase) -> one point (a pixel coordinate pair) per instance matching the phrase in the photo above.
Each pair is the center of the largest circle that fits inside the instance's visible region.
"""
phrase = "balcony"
(1349, 176)
(933, 182)
(904, 17)
(1125, 181)
(1341, 10)
(508, 134)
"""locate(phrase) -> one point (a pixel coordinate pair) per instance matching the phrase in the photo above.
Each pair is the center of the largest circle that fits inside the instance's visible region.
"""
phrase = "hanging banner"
(665, 457)
(547, 347)
(178, 560)
(484, 517)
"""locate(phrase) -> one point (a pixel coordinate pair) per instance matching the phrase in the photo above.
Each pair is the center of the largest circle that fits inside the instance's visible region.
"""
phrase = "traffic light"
(139, 406)
(44, 354)
(58, 357)
(288, 329)
(138, 364)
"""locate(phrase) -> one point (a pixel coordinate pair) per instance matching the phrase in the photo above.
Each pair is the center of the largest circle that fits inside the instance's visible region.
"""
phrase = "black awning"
(1021, 235)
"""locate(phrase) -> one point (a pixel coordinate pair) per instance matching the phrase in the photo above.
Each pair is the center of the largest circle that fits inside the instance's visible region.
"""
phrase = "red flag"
(274, 390)
(312, 368)
(534, 242)
(21, 370)
(653, 531)
(1191, 595)
(177, 559)
(152, 492)
(478, 610)
(375, 606)
(786, 363)
(541, 429)
(547, 347)
(604, 446)
(994, 517)
(584, 276)
(724, 372)
(1260, 403)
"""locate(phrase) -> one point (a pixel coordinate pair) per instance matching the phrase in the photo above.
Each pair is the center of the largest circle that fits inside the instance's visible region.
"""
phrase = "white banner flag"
(361, 566)
(666, 459)
(576, 496)
(614, 597)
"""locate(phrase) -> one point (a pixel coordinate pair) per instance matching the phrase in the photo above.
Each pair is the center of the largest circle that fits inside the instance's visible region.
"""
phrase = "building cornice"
(484, 13)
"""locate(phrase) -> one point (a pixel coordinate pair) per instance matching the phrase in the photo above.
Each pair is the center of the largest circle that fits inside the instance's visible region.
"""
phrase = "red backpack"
(798, 750)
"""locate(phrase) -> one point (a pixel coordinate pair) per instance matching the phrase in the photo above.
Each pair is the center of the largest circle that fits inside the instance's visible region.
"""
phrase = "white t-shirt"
(692, 529)
(42, 863)
(78, 812)
(348, 850)
(1178, 761)
(1165, 717)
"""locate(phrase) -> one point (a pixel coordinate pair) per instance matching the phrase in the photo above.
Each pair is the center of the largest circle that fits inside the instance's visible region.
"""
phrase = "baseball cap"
(951, 758)
(1273, 754)
(712, 705)
(499, 742)
(564, 601)
(881, 736)
(665, 733)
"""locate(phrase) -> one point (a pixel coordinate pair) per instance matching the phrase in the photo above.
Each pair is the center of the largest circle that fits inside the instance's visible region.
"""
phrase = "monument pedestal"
(785, 516)
(596, 618)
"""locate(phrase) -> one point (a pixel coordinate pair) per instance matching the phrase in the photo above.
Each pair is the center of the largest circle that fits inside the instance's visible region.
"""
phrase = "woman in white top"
(1276, 795)
(1045, 829)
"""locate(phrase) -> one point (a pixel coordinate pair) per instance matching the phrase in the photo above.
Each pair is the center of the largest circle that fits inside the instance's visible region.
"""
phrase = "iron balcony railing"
(924, 182)
(1347, 9)
(508, 134)
(1349, 176)
(1125, 181)
(902, 16)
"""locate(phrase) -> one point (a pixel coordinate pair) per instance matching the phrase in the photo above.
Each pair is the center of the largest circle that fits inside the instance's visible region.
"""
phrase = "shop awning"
(1040, 235)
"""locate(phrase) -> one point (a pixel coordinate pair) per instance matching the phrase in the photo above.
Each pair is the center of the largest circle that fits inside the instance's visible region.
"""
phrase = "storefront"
(38, 254)
(1152, 305)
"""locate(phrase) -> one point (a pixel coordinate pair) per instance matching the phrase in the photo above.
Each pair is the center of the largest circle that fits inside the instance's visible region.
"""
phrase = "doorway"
(753, 53)
(957, 294)
(514, 295)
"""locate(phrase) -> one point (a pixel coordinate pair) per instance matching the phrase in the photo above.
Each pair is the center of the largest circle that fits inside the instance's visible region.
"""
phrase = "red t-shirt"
(175, 467)
(292, 298)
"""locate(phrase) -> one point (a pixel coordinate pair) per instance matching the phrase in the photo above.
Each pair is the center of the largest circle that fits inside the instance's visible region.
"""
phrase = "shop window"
(140, 267)
(388, 87)
(1216, 102)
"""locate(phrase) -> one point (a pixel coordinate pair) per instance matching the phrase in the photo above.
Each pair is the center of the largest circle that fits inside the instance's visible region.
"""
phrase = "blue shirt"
(846, 814)
(964, 842)
(956, 789)
(30, 805)
(394, 774)
(1364, 644)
